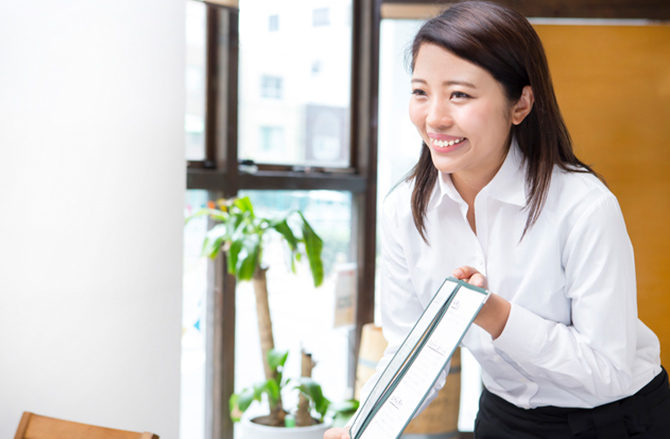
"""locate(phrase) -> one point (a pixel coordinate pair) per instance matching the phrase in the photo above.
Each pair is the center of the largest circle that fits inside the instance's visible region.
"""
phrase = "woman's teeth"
(444, 143)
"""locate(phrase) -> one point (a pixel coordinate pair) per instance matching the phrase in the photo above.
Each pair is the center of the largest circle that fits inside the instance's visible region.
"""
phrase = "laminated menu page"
(407, 379)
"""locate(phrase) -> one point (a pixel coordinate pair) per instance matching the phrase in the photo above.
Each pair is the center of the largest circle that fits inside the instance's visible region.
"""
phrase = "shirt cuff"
(523, 334)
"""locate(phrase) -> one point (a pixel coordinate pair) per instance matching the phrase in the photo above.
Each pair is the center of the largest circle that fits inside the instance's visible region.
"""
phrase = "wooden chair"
(34, 426)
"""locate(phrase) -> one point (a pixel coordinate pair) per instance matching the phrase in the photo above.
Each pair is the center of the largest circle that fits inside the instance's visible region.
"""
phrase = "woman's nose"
(439, 115)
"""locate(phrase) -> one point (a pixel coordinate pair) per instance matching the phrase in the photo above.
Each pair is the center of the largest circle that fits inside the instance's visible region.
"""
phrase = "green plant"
(274, 387)
(239, 233)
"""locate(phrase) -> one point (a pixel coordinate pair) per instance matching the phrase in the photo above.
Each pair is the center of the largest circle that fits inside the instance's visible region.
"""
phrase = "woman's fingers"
(465, 272)
(336, 433)
(470, 275)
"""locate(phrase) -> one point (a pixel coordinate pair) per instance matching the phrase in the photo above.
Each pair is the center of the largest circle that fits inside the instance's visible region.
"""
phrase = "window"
(273, 23)
(301, 68)
(275, 131)
(272, 140)
(271, 87)
(321, 17)
(316, 67)
(326, 140)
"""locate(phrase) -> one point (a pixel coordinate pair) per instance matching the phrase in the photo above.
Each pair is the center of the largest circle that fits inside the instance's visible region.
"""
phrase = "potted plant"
(240, 233)
(311, 402)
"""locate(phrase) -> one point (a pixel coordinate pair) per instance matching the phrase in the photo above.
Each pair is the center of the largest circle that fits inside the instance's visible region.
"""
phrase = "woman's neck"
(469, 185)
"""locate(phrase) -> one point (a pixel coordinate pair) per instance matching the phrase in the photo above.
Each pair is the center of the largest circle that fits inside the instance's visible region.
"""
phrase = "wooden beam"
(215, 180)
(655, 10)
(364, 121)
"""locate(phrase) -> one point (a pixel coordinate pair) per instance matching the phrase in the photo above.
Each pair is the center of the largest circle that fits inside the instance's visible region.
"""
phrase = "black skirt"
(645, 415)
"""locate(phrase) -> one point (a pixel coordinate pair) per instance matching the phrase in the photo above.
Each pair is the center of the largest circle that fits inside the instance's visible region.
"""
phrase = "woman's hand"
(494, 314)
(337, 433)
(471, 276)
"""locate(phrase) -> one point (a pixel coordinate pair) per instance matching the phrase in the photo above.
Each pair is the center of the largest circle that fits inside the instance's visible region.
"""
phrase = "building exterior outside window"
(272, 139)
(271, 87)
(273, 23)
(304, 72)
(321, 17)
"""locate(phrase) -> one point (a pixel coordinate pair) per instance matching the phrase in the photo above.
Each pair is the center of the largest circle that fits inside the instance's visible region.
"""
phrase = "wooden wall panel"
(613, 86)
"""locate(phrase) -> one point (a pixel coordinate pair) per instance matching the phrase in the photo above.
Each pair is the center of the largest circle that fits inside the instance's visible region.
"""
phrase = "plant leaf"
(244, 205)
(313, 247)
(277, 357)
(285, 230)
(233, 255)
(345, 407)
(246, 266)
(215, 214)
(214, 239)
(246, 397)
(312, 390)
(344, 411)
(272, 389)
(235, 411)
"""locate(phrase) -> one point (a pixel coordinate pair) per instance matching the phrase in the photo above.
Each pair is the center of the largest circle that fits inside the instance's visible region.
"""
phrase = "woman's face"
(462, 113)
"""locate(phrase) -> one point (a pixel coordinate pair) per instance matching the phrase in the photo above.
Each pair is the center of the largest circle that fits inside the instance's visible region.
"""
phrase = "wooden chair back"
(34, 426)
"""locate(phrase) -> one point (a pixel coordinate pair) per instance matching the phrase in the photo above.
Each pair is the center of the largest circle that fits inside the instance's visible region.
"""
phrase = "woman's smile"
(444, 144)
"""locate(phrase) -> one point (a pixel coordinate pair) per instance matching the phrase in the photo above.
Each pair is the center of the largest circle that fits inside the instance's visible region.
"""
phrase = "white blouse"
(573, 338)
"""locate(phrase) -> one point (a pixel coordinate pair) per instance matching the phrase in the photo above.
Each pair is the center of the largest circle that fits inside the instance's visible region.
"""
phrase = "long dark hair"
(502, 42)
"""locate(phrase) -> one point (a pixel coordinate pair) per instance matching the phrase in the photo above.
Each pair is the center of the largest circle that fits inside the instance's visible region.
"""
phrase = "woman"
(498, 198)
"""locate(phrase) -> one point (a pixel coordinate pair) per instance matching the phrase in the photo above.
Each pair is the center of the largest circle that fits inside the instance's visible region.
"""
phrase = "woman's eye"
(459, 95)
(418, 92)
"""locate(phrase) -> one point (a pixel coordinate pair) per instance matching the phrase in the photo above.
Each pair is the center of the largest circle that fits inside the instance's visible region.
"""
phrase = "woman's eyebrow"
(447, 83)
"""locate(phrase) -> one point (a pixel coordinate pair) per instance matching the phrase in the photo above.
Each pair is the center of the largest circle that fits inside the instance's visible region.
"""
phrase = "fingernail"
(458, 272)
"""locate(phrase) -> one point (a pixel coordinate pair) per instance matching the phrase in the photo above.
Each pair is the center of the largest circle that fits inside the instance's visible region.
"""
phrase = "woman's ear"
(523, 105)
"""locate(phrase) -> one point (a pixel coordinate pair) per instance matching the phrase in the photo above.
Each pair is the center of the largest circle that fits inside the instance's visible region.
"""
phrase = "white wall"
(91, 211)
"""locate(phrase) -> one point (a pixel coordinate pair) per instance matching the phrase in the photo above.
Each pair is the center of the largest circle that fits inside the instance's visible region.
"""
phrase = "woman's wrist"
(493, 316)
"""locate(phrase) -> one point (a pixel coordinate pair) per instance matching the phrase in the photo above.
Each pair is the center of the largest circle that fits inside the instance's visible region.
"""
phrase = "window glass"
(293, 76)
(321, 17)
(194, 122)
(271, 87)
(302, 315)
(272, 140)
(194, 326)
(273, 23)
(399, 149)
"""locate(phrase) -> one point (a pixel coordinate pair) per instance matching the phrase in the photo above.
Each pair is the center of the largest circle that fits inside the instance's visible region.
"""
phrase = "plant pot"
(249, 430)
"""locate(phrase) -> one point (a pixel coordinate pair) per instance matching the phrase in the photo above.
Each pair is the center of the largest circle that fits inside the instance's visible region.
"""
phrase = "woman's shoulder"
(578, 185)
(574, 193)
